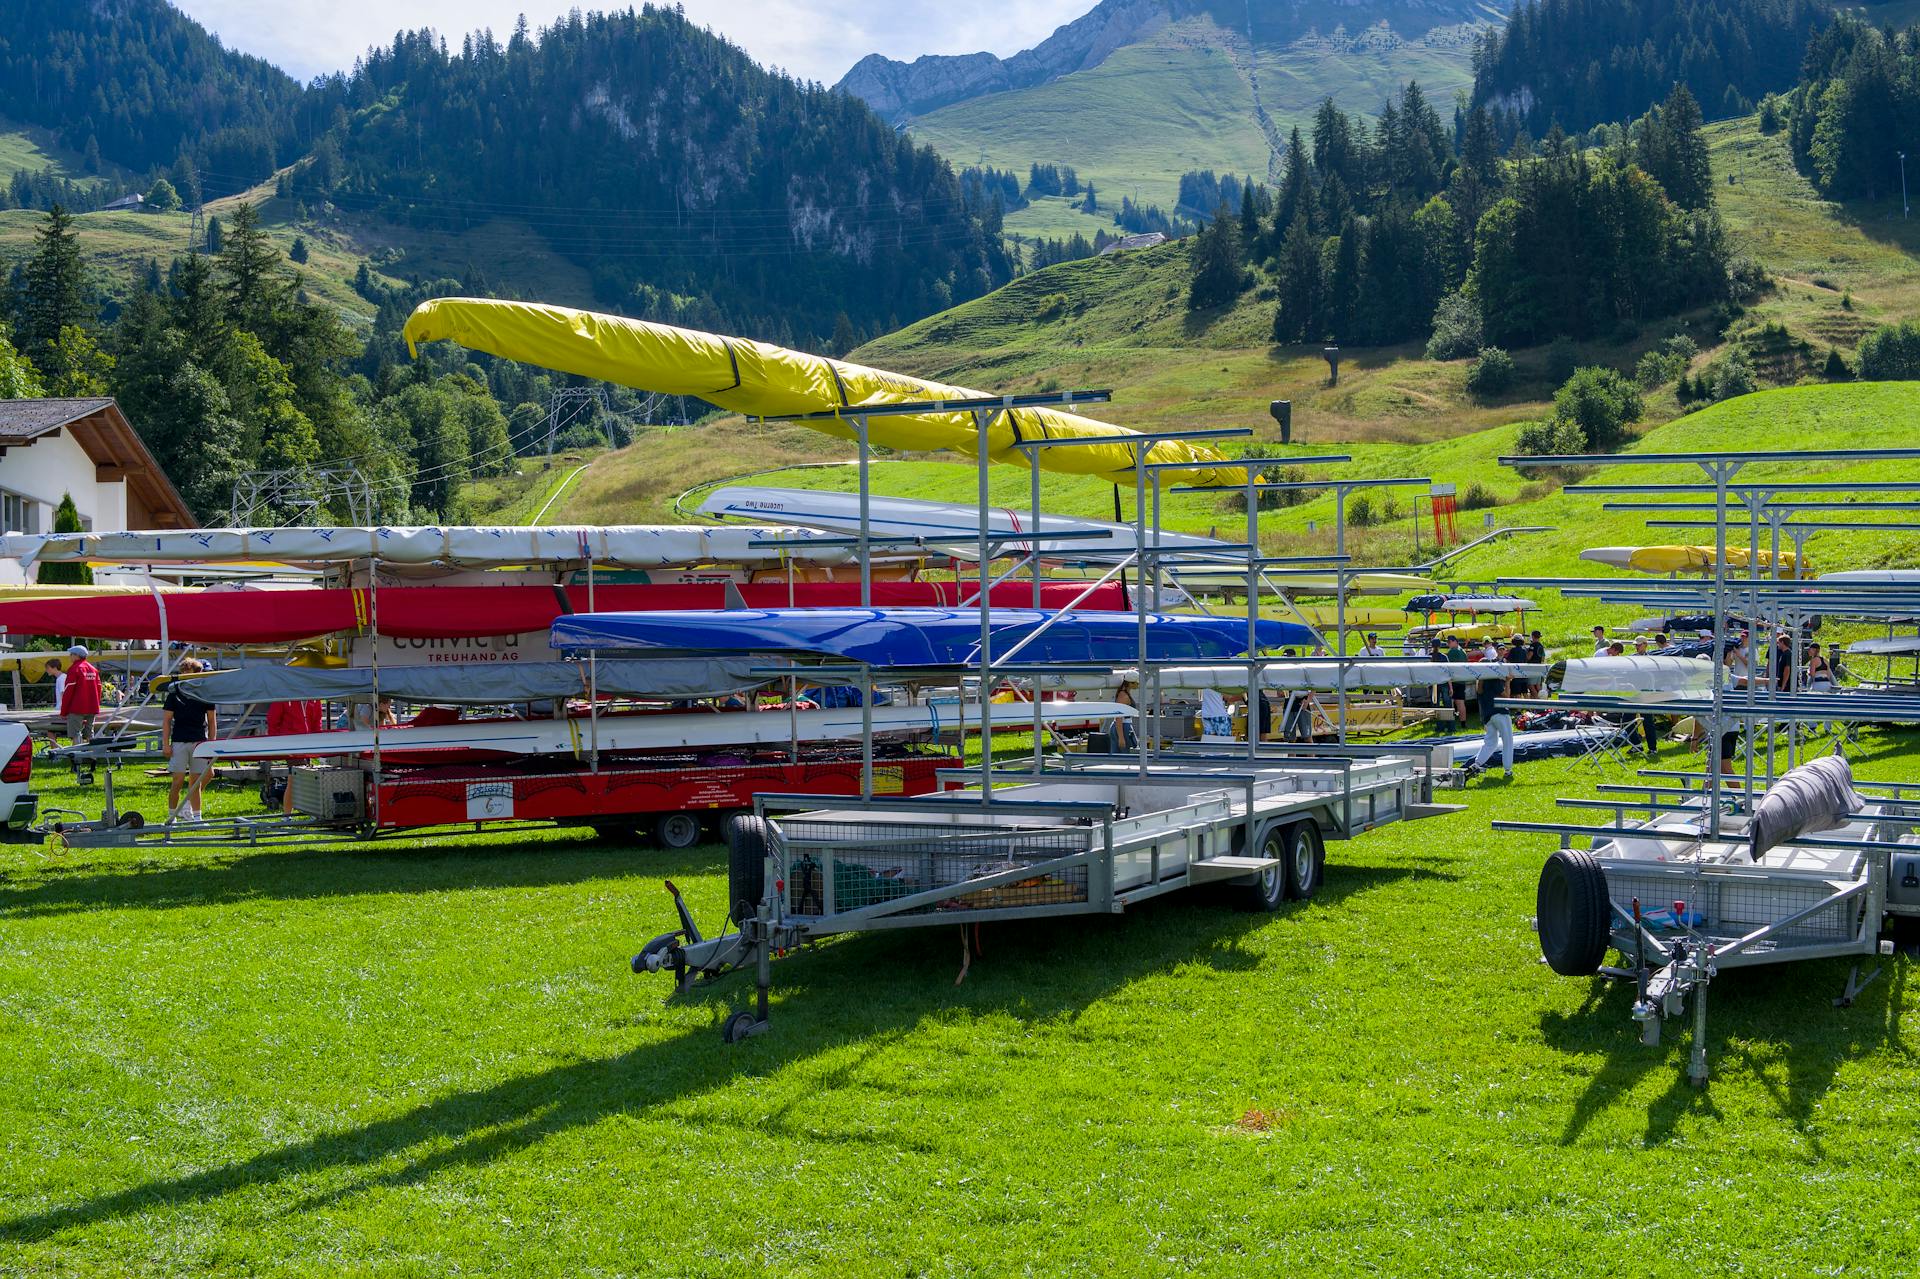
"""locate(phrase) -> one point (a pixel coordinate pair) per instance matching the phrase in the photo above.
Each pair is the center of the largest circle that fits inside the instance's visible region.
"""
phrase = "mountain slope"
(137, 82)
(1136, 92)
(648, 157)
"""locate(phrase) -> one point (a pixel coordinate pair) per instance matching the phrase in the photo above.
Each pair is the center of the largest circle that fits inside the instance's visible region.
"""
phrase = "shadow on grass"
(871, 991)
(339, 872)
(1778, 1024)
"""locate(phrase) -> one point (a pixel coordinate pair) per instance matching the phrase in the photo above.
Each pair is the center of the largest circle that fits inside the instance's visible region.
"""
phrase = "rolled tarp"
(1814, 797)
(762, 380)
(477, 684)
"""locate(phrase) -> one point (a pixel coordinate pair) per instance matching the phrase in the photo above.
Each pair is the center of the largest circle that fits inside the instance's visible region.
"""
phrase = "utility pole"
(1903, 185)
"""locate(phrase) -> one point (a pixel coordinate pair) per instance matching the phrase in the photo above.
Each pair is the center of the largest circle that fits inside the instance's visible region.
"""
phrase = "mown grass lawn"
(422, 1060)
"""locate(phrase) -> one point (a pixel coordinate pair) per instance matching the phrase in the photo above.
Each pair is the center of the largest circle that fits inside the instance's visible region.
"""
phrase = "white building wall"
(51, 466)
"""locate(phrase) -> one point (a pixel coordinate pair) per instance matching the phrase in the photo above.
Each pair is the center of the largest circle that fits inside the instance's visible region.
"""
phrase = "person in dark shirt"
(185, 722)
(1455, 653)
(1499, 729)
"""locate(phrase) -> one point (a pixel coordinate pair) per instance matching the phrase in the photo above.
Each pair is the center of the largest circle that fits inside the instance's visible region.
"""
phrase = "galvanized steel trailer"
(1678, 894)
(1679, 903)
(1096, 835)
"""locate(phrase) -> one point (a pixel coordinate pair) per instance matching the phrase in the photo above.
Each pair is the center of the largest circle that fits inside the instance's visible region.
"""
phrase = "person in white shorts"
(1215, 721)
(185, 722)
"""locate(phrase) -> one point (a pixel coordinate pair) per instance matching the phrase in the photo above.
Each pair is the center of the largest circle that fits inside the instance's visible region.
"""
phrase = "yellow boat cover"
(1685, 559)
(769, 381)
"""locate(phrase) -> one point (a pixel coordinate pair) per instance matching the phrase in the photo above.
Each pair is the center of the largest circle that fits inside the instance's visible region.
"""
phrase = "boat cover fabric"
(272, 616)
(1636, 674)
(618, 546)
(1816, 796)
(1886, 645)
(923, 637)
(483, 684)
(1679, 559)
(1469, 604)
(1329, 677)
(956, 526)
(761, 380)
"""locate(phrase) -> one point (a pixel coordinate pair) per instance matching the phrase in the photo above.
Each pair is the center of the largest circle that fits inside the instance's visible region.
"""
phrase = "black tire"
(1267, 891)
(1571, 907)
(1306, 861)
(676, 831)
(738, 1027)
(746, 863)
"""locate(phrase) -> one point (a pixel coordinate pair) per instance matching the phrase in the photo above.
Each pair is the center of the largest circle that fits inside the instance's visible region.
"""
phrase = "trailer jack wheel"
(742, 1025)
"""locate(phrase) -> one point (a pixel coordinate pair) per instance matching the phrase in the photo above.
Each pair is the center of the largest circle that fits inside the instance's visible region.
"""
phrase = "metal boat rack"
(1057, 836)
(1667, 881)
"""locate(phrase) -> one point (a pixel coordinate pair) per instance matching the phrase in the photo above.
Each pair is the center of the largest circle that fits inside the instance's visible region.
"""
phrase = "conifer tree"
(66, 519)
(54, 292)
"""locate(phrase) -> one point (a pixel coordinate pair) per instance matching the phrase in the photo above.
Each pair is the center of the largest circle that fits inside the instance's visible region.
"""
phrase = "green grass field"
(24, 146)
(1059, 217)
(417, 1059)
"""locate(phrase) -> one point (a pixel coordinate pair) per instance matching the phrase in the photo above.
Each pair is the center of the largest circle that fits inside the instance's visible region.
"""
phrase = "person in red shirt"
(80, 698)
(285, 719)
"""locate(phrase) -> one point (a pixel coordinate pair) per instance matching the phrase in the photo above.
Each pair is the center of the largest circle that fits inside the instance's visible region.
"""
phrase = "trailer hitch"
(664, 951)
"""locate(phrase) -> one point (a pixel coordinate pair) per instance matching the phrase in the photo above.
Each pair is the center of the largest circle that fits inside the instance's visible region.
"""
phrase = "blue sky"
(814, 39)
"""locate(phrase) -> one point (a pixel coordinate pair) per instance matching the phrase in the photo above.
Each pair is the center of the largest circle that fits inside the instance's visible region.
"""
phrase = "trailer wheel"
(738, 1027)
(676, 831)
(1267, 891)
(1305, 861)
(746, 864)
(1572, 910)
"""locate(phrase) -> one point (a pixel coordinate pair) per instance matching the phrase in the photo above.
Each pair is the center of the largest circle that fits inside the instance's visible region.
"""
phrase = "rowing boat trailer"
(1085, 835)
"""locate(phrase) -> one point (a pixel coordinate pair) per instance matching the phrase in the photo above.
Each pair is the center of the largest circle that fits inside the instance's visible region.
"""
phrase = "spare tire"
(746, 863)
(1573, 913)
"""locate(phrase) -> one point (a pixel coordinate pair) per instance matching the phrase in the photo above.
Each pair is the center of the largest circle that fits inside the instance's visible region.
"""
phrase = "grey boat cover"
(477, 684)
(1813, 797)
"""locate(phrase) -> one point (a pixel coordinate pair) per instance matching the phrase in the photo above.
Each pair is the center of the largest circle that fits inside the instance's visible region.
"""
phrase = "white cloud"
(814, 39)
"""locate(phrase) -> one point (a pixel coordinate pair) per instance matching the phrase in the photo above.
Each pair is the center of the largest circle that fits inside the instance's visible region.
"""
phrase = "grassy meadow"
(420, 1058)
(1184, 98)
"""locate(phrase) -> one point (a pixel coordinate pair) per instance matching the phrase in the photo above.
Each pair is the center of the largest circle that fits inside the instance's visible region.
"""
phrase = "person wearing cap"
(80, 696)
(1373, 648)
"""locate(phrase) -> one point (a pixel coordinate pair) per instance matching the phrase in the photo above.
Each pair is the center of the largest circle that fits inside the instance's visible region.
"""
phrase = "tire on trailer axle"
(675, 831)
(1267, 890)
(1306, 860)
(1571, 906)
